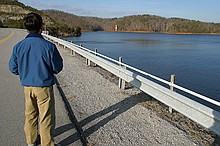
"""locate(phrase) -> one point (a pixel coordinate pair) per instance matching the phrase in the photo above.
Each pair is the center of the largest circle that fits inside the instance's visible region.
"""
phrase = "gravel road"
(110, 116)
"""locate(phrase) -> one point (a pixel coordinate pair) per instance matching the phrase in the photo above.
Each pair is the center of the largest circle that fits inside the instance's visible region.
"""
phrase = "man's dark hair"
(33, 22)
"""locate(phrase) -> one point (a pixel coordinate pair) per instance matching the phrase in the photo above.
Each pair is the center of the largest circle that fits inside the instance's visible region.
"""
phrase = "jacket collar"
(34, 35)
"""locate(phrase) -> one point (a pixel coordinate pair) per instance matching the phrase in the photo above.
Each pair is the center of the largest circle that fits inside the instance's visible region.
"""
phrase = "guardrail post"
(73, 53)
(64, 47)
(172, 80)
(96, 50)
(121, 82)
(88, 62)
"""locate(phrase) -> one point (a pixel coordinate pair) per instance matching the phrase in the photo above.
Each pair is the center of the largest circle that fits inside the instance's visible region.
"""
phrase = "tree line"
(148, 23)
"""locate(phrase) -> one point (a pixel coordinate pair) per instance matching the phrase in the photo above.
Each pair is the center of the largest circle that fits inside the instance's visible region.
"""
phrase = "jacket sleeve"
(57, 61)
(13, 64)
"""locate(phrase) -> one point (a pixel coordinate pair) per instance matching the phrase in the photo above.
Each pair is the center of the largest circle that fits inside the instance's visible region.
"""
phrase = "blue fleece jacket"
(35, 60)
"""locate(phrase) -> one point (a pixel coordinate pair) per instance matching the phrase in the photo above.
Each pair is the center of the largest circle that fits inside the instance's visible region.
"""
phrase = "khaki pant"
(39, 102)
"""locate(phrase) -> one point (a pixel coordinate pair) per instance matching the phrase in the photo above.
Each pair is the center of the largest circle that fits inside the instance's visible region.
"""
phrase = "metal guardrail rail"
(202, 114)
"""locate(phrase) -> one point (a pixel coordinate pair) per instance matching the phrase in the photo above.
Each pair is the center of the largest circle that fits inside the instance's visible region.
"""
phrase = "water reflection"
(144, 41)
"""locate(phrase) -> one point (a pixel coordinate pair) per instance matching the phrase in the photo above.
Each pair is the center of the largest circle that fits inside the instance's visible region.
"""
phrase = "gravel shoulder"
(111, 116)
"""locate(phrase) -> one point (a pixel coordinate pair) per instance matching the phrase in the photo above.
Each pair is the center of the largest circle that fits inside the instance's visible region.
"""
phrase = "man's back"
(37, 61)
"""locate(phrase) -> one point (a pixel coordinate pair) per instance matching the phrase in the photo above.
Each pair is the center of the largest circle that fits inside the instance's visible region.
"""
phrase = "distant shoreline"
(181, 33)
(194, 33)
(176, 33)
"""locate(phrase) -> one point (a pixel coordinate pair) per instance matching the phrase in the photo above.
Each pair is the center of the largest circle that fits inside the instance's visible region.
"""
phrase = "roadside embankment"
(110, 116)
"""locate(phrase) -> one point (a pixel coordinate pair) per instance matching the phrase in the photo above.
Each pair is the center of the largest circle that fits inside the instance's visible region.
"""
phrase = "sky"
(202, 10)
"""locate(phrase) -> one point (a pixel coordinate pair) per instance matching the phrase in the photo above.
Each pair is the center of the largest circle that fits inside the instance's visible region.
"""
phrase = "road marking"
(5, 39)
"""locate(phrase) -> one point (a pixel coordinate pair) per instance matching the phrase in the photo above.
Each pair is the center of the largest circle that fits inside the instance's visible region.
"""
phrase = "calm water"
(194, 59)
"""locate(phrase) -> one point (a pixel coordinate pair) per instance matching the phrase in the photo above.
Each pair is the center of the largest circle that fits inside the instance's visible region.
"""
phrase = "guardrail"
(202, 114)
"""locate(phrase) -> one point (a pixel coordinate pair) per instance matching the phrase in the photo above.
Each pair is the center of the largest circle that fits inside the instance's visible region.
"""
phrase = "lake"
(194, 59)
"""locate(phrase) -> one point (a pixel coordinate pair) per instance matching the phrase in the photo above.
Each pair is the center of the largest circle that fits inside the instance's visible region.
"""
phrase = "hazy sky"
(203, 10)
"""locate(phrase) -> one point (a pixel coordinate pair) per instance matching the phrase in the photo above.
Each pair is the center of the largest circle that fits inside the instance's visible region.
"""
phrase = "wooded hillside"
(149, 23)
(61, 23)
(12, 13)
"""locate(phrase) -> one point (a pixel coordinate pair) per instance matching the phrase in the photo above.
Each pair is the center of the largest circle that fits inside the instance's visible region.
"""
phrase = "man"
(36, 60)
